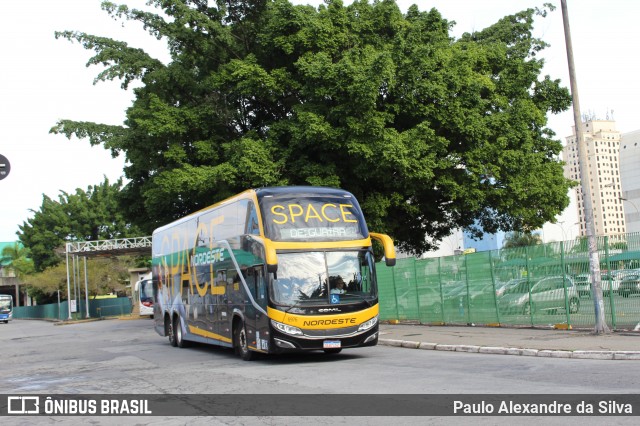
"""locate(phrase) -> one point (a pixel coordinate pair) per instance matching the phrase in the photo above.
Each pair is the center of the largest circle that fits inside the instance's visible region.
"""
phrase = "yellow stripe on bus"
(324, 321)
(316, 245)
(210, 335)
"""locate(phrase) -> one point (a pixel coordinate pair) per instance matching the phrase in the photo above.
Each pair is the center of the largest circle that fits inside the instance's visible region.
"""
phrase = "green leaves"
(430, 133)
(16, 257)
(121, 61)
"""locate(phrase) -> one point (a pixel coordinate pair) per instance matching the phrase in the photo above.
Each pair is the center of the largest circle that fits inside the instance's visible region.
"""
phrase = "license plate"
(330, 344)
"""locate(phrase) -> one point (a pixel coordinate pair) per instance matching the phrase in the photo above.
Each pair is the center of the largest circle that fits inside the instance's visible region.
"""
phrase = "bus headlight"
(288, 329)
(368, 324)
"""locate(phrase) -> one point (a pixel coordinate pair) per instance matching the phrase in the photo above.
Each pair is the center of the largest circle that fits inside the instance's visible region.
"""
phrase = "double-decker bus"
(270, 270)
(144, 294)
(6, 308)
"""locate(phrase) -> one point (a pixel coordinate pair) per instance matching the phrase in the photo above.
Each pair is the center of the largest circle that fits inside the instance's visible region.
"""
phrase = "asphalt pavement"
(522, 341)
(541, 342)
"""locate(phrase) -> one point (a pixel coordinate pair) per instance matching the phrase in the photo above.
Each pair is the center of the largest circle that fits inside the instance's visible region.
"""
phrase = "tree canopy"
(104, 276)
(429, 132)
(521, 239)
(85, 215)
(16, 257)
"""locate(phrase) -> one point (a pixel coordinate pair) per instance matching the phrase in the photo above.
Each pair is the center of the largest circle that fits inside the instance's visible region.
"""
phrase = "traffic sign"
(5, 167)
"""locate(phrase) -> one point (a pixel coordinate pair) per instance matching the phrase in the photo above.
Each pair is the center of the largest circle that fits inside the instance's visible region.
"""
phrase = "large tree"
(82, 216)
(430, 133)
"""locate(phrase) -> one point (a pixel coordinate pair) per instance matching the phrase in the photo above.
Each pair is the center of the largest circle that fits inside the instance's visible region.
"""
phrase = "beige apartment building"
(603, 161)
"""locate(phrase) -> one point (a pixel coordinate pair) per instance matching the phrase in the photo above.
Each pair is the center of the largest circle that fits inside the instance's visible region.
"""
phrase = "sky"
(43, 80)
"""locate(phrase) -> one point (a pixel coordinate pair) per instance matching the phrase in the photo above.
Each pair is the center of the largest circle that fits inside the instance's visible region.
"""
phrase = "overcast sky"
(43, 80)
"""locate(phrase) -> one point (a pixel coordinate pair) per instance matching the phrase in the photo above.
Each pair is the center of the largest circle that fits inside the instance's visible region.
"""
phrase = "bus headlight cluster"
(288, 329)
(368, 324)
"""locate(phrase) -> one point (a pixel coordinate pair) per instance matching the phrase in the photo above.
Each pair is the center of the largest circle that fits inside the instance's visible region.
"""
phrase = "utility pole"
(594, 259)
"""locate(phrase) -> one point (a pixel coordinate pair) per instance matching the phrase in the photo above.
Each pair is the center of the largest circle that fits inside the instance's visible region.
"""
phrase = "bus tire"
(177, 331)
(170, 332)
(241, 343)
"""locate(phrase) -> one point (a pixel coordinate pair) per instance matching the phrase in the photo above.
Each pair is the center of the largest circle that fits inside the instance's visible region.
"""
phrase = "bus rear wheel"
(241, 343)
(170, 332)
(177, 332)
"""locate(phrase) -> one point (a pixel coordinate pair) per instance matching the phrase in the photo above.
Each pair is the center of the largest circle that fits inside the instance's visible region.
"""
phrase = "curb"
(496, 350)
(78, 321)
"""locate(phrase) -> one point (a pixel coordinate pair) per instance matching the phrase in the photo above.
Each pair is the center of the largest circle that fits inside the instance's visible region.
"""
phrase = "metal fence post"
(415, 279)
(610, 276)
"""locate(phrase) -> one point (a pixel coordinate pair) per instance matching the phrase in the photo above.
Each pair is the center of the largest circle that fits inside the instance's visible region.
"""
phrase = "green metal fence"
(97, 308)
(539, 286)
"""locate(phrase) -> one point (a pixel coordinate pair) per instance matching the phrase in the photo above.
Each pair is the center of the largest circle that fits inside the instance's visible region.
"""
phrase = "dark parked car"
(630, 285)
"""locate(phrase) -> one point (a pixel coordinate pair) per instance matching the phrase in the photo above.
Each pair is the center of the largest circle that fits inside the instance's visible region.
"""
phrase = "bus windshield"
(5, 304)
(146, 292)
(324, 277)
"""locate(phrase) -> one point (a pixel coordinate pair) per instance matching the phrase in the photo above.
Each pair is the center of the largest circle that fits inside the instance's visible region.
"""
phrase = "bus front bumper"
(281, 342)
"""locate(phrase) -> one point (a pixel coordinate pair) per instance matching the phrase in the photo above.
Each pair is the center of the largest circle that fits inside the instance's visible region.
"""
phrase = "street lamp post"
(594, 258)
(560, 224)
(630, 202)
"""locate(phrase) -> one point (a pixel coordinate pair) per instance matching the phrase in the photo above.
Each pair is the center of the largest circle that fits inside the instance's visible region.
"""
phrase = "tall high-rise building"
(630, 178)
(602, 141)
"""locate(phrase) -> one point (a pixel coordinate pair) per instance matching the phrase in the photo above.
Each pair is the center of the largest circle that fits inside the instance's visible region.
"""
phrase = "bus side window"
(221, 277)
(233, 286)
(185, 292)
(252, 226)
(250, 279)
(261, 286)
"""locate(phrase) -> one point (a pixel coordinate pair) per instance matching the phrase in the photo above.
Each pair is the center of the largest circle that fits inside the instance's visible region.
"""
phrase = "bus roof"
(260, 193)
(300, 190)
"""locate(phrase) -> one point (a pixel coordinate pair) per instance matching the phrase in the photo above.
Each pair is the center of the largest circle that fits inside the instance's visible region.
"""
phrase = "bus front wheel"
(241, 343)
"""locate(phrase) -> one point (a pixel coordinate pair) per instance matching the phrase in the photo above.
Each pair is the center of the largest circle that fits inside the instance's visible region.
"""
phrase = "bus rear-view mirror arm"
(387, 245)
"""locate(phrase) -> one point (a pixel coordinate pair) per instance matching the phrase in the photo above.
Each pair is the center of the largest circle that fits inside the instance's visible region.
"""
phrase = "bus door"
(219, 315)
(256, 321)
(231, 299)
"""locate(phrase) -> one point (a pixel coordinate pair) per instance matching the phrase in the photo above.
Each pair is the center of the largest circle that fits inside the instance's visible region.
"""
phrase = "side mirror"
(271, 258)
(387, 244)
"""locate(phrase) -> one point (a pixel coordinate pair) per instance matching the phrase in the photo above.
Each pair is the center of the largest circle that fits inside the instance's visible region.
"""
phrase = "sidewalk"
(578, 344)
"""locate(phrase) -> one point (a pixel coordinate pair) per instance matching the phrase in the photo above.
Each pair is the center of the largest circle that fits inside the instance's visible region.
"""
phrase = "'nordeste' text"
(207, 257)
